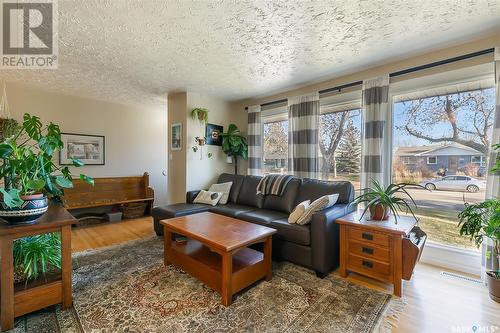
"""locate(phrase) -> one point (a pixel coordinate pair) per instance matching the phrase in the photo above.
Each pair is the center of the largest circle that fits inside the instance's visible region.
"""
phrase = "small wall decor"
(213, 134)
(176, 136)
(90, 149)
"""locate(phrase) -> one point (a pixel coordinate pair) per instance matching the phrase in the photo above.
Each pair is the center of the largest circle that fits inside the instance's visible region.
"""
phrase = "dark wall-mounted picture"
(213, 135)
(90, 149)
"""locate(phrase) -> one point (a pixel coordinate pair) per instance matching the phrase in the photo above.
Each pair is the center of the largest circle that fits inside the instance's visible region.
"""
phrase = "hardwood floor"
(435, 303)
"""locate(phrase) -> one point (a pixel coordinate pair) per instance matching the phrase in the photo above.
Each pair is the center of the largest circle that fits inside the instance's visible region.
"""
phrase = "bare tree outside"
(338, 133)
(276, 146)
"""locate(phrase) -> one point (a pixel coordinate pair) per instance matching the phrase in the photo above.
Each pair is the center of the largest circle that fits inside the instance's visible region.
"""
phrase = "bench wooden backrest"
(108, 191)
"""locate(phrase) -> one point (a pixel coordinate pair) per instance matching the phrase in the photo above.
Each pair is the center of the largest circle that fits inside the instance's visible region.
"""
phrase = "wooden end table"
(217, 251)
(374, 248)
(15, 303)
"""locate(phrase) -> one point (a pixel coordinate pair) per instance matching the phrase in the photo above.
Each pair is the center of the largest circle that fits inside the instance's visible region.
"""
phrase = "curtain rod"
(398, 73)
(442, 62)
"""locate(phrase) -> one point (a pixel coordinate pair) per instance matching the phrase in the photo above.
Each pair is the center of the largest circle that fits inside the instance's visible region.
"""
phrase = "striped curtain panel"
(375, 142)
(254, 141)
(303, 123)
(489, 262)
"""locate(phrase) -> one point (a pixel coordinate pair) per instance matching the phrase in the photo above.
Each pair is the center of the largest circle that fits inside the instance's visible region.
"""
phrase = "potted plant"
(234, 145)
(482, 220)
(383, 201)
(30, 175)
(35, 256)
(201, 114)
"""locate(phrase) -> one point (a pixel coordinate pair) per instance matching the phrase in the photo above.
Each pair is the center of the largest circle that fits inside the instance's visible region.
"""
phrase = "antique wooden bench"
(109, 191)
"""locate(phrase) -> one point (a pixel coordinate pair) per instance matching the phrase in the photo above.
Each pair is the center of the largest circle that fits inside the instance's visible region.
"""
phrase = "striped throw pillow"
(317, 205)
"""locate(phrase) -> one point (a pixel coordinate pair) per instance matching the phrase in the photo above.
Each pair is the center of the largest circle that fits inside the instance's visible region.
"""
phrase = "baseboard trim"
(453, 258)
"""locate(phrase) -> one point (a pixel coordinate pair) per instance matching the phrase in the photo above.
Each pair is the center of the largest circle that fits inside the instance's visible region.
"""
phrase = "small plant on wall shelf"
(200, 114)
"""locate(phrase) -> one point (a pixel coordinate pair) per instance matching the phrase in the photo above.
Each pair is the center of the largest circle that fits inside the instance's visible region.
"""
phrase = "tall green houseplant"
(482, 220)
(234, 145)
(30, 179)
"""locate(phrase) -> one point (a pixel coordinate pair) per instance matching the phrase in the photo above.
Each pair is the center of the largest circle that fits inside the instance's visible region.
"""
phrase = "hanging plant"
(201, 114)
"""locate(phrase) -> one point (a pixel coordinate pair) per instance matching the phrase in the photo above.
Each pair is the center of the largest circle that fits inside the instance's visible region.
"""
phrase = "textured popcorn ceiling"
(137, 51)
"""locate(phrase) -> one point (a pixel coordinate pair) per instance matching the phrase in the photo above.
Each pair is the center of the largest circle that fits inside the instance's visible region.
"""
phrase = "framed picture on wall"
(90, 149)
(176, 136)
(213, 134)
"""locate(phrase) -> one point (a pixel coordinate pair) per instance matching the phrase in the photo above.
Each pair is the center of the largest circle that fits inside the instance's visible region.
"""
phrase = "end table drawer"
(369, 237)
(368, 265)
(369, 251)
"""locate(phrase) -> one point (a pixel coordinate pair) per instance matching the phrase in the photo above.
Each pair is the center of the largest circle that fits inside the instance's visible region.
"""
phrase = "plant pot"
(378, 213)
(493, 286)
(34, 206)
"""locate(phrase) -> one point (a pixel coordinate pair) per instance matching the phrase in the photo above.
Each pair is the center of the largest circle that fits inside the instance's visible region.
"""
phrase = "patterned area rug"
(126, 288)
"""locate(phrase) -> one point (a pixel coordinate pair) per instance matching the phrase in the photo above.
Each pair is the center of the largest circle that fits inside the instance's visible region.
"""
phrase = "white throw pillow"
(207, 197)
(298, 211)
(225, 188)
(317, 205)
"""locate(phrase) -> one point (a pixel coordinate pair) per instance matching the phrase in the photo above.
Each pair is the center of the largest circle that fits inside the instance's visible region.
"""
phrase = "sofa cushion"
(179, 209)
(313, 189)
(237, 181)
(286, 202)
(300, 234)
(248, 195)
(262, 216)
(231, 210)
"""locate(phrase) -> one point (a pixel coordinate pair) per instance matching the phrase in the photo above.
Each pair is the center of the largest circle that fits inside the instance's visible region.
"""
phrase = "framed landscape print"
(90, 149)
(176, 136)
(213, 134)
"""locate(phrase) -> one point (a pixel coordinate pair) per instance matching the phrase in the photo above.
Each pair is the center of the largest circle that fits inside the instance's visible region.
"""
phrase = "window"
(275, 145)
(406, 159)
(432, 160)
(424, 123)
(477, 159)
(340, 145)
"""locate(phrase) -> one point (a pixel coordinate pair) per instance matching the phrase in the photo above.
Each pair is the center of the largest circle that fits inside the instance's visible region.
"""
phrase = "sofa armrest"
(325, 242)
(191, 195)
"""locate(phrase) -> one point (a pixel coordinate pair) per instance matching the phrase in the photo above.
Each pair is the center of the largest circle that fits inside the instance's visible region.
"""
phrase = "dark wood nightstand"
(382, 250)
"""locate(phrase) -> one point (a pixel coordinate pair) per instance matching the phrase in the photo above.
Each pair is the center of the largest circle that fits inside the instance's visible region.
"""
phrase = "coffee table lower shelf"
(247, 266)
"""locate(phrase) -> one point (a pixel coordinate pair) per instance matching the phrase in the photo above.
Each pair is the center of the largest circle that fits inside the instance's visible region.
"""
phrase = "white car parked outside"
(456, 183)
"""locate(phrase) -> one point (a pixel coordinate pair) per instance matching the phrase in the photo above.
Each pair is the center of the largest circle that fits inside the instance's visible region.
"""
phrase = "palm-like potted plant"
(381, 202)
(234, 145)
(29, 173)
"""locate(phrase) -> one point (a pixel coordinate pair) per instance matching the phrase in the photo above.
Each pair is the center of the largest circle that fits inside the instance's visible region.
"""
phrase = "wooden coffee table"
(217, 251)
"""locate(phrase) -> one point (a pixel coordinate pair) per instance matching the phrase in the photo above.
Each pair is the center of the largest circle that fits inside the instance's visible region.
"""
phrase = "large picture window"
(448, 137)
(340, 145)
(275, 146)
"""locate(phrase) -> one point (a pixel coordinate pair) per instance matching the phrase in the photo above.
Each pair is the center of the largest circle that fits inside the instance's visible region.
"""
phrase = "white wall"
(201, 173)
(136, 138)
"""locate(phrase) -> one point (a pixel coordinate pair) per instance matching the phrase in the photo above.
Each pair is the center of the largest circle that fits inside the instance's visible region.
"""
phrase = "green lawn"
(441, 226)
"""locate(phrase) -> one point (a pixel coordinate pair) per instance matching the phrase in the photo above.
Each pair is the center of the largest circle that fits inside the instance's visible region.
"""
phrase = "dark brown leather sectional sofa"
(315, 246)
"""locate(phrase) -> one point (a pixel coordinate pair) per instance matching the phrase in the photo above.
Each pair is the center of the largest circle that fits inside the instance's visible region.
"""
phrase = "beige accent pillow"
(298, 211)
(207, 197)
(225, 188)
(317, 205)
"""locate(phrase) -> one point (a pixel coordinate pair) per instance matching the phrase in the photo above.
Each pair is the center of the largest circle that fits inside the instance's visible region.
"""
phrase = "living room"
(250, 166)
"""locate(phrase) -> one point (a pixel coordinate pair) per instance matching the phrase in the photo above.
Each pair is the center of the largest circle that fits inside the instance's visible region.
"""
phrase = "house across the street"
(452, 157)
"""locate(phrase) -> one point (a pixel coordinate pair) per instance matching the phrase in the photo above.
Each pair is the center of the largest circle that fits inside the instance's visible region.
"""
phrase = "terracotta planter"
(34, 206)
(493, 286)
(377, 213)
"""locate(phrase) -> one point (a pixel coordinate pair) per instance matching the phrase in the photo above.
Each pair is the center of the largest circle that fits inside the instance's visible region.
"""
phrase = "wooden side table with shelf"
(382, 250)
(16, 302)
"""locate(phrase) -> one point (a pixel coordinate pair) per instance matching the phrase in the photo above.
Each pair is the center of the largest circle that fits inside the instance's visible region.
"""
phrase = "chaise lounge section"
(314, 245)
